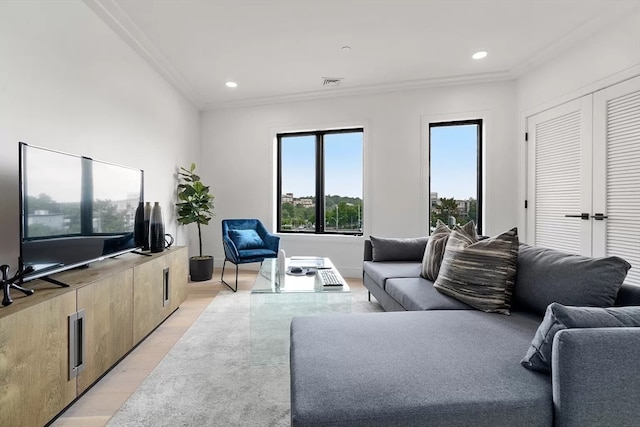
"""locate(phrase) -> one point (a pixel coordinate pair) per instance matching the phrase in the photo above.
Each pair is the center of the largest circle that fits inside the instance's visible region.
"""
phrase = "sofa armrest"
(368, 250)
(596, 377)
(628, 295)
(271, 241)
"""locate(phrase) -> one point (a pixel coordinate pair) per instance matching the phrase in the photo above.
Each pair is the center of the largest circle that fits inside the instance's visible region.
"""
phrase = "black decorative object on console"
(138, 226)
(8, 283)
(156, 229)
(147, 218)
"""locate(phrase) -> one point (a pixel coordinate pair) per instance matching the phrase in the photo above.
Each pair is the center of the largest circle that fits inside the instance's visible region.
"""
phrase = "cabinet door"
(148, 296)
(179, 273)
(34, 362)
(616, 176)
(559, 177)
(107, 323)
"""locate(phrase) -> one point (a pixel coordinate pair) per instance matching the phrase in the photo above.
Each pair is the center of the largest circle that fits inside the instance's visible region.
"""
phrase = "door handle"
(599, 216)
(581, 216)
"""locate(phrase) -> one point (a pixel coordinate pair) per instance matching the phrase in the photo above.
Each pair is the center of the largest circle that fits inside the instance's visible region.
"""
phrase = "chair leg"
(369, 296)
(222, 277)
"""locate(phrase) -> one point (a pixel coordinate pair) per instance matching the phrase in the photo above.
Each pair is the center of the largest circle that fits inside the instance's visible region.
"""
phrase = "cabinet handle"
(80, 341)
(599, 216)
(165, 287)
(73, 318)
(76, 343)
(581, 216)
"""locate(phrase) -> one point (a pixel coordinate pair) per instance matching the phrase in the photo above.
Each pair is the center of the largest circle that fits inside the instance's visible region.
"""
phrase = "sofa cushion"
(453, 368)
(398, 249)
(558, 317)
(381, 271)
(480, 273)
(434, 251)
(436, 245)
(416, 293)
(546, 275)
(246, 239)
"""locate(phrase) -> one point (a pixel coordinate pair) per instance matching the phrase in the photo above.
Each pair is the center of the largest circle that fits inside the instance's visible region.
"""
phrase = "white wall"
(69, 83)
(238, 161)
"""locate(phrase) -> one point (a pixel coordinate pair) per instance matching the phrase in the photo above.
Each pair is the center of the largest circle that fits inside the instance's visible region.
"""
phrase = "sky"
(343, 165)
(453, 163)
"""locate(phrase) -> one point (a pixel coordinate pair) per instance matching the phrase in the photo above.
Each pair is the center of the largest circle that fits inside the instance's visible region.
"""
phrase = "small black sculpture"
(7, 283)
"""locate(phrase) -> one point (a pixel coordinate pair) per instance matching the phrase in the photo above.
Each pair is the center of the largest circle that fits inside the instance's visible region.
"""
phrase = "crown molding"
(578, 34)
(361, 90)
(119, 21)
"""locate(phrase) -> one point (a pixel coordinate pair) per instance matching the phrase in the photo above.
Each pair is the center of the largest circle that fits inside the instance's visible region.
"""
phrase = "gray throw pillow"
(558, 317)
(480, 273)
(398, 249)
(546, 275)
(436, 245)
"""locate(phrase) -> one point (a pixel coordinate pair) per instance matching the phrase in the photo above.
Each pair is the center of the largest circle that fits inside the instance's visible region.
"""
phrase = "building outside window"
(455, 179)
(320, 175)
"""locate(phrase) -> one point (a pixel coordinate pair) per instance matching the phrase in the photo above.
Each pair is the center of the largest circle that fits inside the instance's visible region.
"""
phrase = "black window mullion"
(479, 182)
(319, 183)
(279, 185)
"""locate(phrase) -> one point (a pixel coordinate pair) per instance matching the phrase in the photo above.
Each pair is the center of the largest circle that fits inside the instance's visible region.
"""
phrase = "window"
(320, 176)
(455, 179)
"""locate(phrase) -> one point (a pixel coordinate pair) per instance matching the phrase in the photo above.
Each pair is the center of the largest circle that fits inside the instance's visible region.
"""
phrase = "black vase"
(156, 229)
(147, 218)
(138, 226)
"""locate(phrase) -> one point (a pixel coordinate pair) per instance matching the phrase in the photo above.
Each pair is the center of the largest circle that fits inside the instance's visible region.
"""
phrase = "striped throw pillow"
(434, 251)
(480, 273)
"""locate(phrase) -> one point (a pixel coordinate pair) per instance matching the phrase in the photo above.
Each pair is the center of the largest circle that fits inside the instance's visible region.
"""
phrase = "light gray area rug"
(208, 379)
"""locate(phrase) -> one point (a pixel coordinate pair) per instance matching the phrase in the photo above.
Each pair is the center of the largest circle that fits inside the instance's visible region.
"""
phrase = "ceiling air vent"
(331, 81)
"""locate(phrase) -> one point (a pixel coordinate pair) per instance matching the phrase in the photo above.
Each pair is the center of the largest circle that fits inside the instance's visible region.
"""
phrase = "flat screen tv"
(74, 210)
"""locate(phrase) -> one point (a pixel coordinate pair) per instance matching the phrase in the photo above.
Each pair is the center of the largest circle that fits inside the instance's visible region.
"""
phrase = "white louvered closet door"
(616, 174)
(558, 179)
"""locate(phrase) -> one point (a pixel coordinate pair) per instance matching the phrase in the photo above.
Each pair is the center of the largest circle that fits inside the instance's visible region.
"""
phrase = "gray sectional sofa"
(433, 360)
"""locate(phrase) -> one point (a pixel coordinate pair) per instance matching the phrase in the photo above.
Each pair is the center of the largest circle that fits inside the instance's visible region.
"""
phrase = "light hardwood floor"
(96, 407)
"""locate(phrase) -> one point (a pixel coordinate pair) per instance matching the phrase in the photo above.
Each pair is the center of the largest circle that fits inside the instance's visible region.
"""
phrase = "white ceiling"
(281, 49)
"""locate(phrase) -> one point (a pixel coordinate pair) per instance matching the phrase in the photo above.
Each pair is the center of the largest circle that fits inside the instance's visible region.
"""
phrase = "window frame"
(319, 180)
(479, 172)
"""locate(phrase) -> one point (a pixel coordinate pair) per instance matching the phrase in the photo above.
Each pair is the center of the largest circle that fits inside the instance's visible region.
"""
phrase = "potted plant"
(195, 205)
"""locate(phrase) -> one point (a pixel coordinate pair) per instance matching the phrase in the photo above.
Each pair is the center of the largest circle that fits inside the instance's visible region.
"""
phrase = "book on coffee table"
(306, 262)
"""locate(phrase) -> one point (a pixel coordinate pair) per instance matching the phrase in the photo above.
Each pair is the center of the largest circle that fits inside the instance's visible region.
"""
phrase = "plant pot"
(200, 268)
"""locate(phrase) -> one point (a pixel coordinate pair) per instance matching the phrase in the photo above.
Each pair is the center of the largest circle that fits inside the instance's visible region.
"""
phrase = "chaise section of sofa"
(439, 368)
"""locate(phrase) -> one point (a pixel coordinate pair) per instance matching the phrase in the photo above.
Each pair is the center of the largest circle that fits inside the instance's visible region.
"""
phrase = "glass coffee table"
(277, 298)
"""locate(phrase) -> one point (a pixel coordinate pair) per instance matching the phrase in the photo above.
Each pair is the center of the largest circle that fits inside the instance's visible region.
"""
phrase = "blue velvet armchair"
(246, 241)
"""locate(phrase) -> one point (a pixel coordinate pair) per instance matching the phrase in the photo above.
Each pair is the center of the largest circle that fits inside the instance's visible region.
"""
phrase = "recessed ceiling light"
(231, 84)
(346, 49)
(479, 55)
